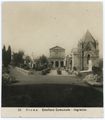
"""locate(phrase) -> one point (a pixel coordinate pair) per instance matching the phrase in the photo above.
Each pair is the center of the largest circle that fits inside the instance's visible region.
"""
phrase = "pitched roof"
(57, 47)
(88, 37)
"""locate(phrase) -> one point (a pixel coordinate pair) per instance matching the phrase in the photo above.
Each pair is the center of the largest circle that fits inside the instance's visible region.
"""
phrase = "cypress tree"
(9, 54)
(4, 55)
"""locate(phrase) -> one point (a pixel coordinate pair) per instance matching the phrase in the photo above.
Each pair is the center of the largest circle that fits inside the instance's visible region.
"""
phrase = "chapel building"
(87, 50)
(57, 57)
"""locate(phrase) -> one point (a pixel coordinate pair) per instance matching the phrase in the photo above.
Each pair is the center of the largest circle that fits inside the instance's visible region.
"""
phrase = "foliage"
(95, 70)
(74, 68)
(59, 71)
(79, 74)
(6, 56)
(101, 65)
(46, 71)
(43, 60)
(18, 58)
(27, 59)
(41, 63)
(5, 70)
(7, 79)
(9, 54)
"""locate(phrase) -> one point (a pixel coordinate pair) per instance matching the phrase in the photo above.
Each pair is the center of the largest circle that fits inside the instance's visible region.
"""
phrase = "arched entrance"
(52, 63)
(70, 64)
(56, 64)
(62, 64)
(88, 58)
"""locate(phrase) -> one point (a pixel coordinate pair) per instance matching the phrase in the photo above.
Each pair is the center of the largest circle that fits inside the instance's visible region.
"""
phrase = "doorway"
(62, 64)
(88, 58)
(56, 64)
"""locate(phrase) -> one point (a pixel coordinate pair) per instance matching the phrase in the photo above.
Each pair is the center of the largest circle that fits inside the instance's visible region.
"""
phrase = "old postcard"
(52, 59)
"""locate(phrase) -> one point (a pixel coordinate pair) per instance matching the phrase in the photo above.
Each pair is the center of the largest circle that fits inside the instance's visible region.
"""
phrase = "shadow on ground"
(51, 95)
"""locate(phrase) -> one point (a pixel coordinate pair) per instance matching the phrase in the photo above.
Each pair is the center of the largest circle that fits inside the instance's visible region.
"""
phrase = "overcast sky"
(35, 27)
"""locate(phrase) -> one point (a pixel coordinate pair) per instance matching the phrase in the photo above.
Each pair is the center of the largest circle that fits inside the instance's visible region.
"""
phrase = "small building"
(57, 57)
(86, 52)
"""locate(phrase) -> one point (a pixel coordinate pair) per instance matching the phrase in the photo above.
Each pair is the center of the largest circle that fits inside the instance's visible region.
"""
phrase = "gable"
(57, 48)
(88, 37)
(89, 43)
(89, 46)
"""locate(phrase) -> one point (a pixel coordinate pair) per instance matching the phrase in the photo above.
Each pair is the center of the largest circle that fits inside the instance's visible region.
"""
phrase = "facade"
(57, 57)
(87, 53)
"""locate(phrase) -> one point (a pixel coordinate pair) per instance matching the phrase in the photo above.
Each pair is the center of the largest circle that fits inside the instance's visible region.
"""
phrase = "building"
(57, 57)
(86, 52)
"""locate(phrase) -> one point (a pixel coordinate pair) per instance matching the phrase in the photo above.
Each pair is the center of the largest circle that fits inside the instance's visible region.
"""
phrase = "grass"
(51, 95)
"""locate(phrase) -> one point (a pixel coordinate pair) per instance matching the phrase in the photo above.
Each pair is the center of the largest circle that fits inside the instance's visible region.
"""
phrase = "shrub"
(95, 70)
(79, 74)
(13, 79)
(5, 79)
(100, 67)
(46, 71)
(39, 68)
(74, 68)
(59, 71)
(5, 70)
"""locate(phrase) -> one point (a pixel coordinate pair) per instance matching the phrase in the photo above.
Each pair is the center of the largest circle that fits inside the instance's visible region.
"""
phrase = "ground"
(37, 78)
(38, 90)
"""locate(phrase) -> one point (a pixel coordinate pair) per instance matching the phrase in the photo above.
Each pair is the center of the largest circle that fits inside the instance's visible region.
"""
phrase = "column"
(64, 63)
(59, 64)
(54, 64)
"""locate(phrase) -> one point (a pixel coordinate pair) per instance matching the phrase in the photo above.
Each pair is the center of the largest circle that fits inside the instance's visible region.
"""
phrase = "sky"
(35, 27)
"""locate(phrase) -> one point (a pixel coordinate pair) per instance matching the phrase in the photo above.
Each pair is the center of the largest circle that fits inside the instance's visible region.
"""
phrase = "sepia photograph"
(52, 54)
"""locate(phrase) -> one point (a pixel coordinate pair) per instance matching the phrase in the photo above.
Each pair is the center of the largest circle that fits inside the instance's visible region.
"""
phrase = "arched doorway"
(88, 58)
(70, 64)
(52, 63)
(62, 64)
(56, 64)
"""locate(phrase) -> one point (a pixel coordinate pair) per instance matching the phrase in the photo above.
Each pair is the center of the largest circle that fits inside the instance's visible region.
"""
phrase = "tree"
(43, 59)
(41, 63)
(27, 59)
(18, 58)
(3, 54)
(4, 57)
(9, 54)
